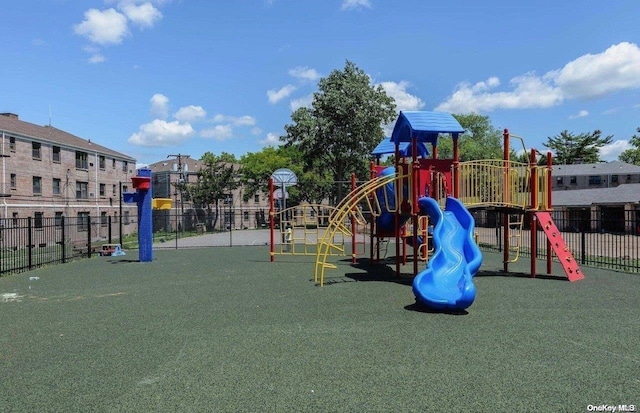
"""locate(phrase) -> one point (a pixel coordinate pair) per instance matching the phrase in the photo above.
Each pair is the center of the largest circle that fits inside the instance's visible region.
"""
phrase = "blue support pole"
(145, 221)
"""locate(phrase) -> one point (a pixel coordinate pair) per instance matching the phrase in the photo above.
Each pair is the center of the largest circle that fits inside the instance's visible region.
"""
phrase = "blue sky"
(160, 77)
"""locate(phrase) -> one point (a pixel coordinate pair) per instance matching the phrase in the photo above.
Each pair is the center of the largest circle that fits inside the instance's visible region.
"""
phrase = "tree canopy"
(337, 134)
(480, 141)
(216, 179)
(569, 148)
(632, 155)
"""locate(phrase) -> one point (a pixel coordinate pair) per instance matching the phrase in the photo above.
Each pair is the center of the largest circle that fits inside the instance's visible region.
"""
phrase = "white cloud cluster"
(580, 114)
(159, 132)
(587, 77)
(111, 25)
(276, 96)
(355, 4)
(404, 100)
(271, 139)
(304, 73)
(611, 151)
(169, 132)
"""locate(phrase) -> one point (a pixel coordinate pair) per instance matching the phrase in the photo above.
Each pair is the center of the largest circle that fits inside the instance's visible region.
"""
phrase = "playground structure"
(399, 204)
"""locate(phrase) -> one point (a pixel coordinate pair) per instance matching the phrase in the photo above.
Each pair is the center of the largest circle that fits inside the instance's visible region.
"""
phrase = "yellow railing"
(352, 206)
(494, 183)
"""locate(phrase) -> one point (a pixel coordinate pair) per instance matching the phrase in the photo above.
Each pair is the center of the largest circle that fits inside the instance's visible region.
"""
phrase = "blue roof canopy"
(386, 147)
(424, 126)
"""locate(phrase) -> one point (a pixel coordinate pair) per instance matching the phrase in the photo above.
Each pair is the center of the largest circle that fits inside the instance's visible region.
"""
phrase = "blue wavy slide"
(447, 282)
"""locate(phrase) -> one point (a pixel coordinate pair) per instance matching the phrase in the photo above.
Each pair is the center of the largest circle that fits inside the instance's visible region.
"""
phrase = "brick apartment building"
(235, 212)
(47, 172)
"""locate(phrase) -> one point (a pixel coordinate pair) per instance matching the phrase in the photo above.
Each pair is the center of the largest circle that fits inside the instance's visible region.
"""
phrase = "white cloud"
(161, 133)
(614, 149)
(589, 76)
(593, 76)
(404, 100)
(304, 73)
(190, 113)
(218, 132)
(529, 91)
(304, 101)
(355, 4)
(272, 139)
(103, 27)
(245, 120)
(96, 58)
(159, 105)
(144, 15)
(276, 96)
(256, 131)
(581, 114)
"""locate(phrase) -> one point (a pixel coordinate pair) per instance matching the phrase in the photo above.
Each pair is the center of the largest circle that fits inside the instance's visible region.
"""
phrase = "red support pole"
(456, 160)
(415, 172)
(271, 218)
(549, 208)
(353, 223)
(506, 194)
(533, 227)
(398, 196)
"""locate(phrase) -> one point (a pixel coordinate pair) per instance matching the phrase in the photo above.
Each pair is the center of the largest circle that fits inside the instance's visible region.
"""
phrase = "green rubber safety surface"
(224, 330)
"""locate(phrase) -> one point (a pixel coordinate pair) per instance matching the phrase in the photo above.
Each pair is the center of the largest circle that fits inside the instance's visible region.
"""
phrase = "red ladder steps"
(569, 264)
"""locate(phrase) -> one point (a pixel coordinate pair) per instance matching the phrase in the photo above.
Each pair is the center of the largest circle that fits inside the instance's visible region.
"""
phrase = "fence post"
(89, 236)
(30, 242)
(583, 245)
(62, 241)
(109, 228)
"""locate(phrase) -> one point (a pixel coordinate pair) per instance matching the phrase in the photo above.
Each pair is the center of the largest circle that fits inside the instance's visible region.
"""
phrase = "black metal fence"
(609, 242)
(28, 243)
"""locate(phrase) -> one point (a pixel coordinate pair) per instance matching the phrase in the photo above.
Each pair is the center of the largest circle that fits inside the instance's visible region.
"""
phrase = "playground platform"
(223, 329)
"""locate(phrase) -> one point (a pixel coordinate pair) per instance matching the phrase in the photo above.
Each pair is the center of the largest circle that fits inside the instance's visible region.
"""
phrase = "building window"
(83, 221)
(81, 160)
(12, 144)
(102, 162)
(37, 185)
(113, 163)
(14, 218)
(595, 179)
(103, 219)
(13, 181)
(125, 165)
(245, 216)
(35, 150)
(559, 180)
(614, 179)
(628, 178)
(228, 199)
(125, 219)
(56, 154)
(256, 198)
(113, 189)
(56, 186)
(125, 188)
(58, 219)
(37, 219)
(81, 190)
(574, 180)
(103, 190)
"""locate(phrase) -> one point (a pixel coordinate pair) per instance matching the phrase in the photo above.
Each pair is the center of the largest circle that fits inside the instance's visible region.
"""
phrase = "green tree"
(215, 181)
(481, 139)
(257, 167)
(569, 148)
(632, 155)
(336, 136)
